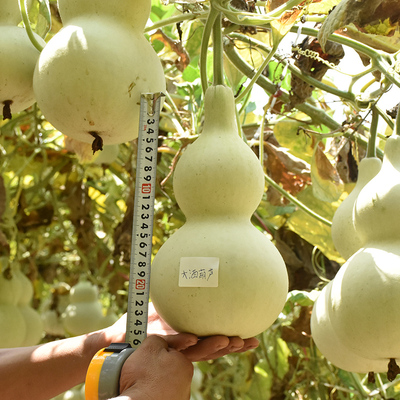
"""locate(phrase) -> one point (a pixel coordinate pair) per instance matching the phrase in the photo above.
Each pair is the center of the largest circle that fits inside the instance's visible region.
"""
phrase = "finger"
(181, 341)
(206, 347)
(153, 343)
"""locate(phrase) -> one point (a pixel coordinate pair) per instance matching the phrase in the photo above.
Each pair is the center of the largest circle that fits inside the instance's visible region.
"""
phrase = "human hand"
(190, 345)
(156, 371)
(196, 349)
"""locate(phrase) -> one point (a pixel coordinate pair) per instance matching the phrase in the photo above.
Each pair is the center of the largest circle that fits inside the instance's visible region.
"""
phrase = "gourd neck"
(133, 13)
(368, 169)
(391, 157)
(219, 111)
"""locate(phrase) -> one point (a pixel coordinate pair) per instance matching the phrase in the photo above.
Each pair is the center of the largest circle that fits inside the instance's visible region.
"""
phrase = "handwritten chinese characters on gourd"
(198, 272)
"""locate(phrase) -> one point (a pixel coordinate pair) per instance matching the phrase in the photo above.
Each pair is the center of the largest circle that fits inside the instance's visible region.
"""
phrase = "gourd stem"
(254, 43)
(28, 28)
(296, 202)
(318, 115)
(218, 62)
(175, 20)
(212, 16)
(373, 132)
(261, 139)
(258, 73)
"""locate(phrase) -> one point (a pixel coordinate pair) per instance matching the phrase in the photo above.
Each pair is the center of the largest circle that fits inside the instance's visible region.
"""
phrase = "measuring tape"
(102, 378)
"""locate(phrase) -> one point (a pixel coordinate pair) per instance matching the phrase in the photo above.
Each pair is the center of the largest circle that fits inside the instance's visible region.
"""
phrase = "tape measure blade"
(142, 231)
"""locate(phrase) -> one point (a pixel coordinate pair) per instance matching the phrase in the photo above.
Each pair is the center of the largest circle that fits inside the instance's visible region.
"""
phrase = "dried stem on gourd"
(7, 109)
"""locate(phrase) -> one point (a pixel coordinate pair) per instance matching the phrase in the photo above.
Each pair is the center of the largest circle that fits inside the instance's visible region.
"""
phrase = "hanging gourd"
(329, 344)
(84, 313)
(33, 321)
(218, 274)
(344, 235)
(18, 58)
(90, 76)
(365, 295)
(12, 326)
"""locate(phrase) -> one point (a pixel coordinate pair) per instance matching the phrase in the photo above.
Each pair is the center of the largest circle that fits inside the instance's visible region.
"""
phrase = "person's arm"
(44, 371)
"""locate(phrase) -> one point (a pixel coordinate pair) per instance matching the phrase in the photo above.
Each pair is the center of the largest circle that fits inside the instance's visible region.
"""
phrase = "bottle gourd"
(218, 274)
(18, 58)
(89, 77)
(344, 234)
(84, 313)
(365, 294)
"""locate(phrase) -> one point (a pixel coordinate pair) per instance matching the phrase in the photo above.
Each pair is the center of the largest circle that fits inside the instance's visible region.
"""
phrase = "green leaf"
(313, 231)
(43, 25)
(192, 36)
(298, 144)
(191, 72)
(326, 182)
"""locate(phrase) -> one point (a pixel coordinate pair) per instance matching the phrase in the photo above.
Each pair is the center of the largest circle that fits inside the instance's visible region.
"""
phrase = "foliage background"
(64, 214)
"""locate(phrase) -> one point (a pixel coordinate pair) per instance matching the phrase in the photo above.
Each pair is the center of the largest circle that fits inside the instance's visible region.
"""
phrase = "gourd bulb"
(26, 293)
(10, 288)
(10, 13)
(34, 326)
(218, 183)
(18, 58)
(33, 320)
(365, 301)
(331, 346)
(376, 215)
(82, 292)
(91, 74)
(84, 313)
(133, 13)
(344, 234)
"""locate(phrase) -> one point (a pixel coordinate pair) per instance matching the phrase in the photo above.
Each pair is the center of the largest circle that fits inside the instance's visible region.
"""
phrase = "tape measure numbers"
(102, 378)
(142, 234)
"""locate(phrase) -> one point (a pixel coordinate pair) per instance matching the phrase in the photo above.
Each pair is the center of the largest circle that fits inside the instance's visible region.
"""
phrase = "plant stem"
(257, 74)
(380, 59)
(373, 132)
(212, 16)
(296, 71)
(386, 117)
(28, 28)
(175, 20)
(218, 51)
(318, 115)
(296, 202)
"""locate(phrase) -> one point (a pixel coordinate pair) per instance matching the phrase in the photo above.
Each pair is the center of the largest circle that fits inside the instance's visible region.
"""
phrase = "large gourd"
(18, 58)
(218, 274)
(344, 234)
(89, 77)
(365, 294)
(84, 313)
(329, 343)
